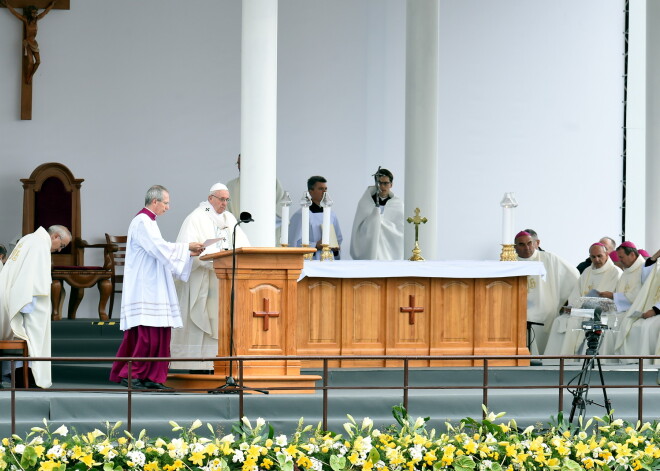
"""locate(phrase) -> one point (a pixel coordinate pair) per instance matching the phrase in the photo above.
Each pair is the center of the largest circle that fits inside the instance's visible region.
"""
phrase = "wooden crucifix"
(30, 47)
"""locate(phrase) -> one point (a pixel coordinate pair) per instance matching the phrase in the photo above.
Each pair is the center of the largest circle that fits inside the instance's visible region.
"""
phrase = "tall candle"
(325, 239)
(305, 225)
(284, 237)
(507, 224)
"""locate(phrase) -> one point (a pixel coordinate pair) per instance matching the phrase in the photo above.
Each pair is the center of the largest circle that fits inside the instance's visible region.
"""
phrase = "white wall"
(135, 93)
(530, 102)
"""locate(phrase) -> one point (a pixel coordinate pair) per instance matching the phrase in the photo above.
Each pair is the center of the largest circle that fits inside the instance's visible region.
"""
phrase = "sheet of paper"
(211, 242)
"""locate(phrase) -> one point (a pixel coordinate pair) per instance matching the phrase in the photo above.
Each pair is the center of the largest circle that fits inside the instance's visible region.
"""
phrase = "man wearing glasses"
(378, 224)
(198, 298)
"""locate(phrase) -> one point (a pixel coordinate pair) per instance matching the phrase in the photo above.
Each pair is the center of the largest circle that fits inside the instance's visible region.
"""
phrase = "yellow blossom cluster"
(601, 444)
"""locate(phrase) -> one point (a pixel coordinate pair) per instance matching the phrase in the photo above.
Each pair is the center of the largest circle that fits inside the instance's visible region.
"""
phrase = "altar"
(413, 308)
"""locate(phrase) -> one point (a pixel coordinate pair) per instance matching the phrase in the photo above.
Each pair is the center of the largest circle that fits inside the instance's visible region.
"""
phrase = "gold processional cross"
(30, 47)
(417, 220)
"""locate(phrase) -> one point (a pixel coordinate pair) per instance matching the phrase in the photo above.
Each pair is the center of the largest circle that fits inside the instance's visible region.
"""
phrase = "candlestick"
(305, 203)
(284, 228)
(326, 204)
(508, 203)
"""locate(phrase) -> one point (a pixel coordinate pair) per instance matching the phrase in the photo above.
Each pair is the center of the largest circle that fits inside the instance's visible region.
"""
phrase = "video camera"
(593, 329)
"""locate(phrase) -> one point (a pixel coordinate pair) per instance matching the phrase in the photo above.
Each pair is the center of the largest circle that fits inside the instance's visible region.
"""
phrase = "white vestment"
(377, 230)
(149, 297)
(198, 297)
(315, 230)
(25, 280)
(546, 296)
(566, 334)
(234, 205)
(640, 336)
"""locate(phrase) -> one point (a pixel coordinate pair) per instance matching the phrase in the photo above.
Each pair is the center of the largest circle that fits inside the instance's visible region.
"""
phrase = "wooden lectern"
(265, 317)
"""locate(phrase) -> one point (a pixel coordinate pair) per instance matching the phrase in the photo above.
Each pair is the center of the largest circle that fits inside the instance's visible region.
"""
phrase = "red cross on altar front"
(411, 309)
(266, 313)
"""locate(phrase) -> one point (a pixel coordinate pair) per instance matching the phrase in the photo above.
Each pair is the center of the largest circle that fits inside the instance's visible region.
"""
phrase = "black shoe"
(135, 383)
(151, 385)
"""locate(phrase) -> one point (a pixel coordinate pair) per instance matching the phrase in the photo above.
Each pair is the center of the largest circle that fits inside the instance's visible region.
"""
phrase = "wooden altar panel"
(453, 322)
(319, 318)
(404, 337)
(363, 306)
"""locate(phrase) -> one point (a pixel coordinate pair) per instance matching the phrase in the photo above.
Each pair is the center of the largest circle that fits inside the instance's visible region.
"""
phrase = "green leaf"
(337, 463)
(374, 456)
(464, 463)
(570, 465)
(29, 458)
(108, 467)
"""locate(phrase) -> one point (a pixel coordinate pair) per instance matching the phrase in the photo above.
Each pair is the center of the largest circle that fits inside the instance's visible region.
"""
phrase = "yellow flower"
(304, 462)
(511, 450)
(470, 447)
(353, 457)
(152, 466)
(48, 465)
(122, 440)
(197, 458)
(266, 463)
(553, 462)
(88, 460)
(588, 463)
(291, 450)
(367, 466)
(430, 457)
(39, 450)
(581, 449)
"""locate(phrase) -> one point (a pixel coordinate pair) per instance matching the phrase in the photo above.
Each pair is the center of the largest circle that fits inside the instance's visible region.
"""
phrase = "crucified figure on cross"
(30, 45)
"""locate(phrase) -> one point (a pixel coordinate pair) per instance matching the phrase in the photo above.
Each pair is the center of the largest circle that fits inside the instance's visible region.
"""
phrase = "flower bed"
(600, 444)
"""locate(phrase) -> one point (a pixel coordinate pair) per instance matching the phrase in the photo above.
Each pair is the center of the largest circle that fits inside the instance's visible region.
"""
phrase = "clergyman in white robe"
(545, 296)
(566, 334)
(378, 229)
(198, 298)
(639, 335)
(25, 306)
(149, 305)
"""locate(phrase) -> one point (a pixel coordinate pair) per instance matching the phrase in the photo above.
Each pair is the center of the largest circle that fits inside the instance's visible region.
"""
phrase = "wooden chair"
(18, 344)
(118, 259)
(52, 196)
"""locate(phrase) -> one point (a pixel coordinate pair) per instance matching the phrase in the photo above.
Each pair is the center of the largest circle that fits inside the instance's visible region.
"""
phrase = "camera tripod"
(581, 393)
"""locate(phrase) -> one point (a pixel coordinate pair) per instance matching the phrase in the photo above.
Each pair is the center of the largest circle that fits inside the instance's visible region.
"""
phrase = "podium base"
(205, 383)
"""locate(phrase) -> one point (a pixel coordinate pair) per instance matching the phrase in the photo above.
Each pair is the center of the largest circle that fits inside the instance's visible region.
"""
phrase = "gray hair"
(612, 243)
(59, 230)
(155, 193)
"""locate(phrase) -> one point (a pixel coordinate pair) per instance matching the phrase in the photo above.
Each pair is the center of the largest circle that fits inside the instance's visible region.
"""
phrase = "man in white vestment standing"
(378, 224)
(316, 186)
(566, 333)
(544, 296)
(198, 298)
(149, 306)
(25, 306)
(234, 206)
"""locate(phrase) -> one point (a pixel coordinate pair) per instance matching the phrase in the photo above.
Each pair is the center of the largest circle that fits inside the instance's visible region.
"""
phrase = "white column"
(636, 126)
(422, 124)
(652, 242)
(259, 118)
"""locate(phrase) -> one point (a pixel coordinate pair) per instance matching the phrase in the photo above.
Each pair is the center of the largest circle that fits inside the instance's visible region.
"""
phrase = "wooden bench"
(18, 345)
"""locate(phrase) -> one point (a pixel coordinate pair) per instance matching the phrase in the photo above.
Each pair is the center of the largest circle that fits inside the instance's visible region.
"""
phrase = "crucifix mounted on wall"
(31, 57)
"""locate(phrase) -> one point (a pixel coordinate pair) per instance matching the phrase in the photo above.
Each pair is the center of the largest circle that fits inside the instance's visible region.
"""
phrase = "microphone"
(245, 217)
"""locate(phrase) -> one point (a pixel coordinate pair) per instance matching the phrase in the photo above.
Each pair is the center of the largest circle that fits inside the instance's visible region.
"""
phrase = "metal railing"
(487, 365)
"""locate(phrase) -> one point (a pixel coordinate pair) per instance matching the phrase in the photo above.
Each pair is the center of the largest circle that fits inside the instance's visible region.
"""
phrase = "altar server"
(198, 297)
(545, 296)
(25, 284)
(316, 186)
(149, 306)
(378, 224)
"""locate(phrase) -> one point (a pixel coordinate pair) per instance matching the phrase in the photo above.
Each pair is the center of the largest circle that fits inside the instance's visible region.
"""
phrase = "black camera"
(593, 329)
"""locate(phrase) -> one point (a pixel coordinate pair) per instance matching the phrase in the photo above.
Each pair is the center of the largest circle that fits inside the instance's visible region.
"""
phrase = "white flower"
(139, 444)
(136, 457)
(62, 431)
(617, 422)
(37, 441)
(246, 422)
(238, 457)
(260, 422)
(366, 423)
(228, 438)
(281, 440)
(20, 448)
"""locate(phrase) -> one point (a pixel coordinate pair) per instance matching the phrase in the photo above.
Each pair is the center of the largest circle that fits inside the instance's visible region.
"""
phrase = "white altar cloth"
(422, 269)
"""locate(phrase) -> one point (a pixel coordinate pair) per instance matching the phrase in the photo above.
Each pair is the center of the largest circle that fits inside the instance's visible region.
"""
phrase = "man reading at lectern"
(198, 298)
(149, 306)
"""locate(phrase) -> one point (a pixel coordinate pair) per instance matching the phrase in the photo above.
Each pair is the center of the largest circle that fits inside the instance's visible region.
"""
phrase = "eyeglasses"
(384, 183)
(222, 200)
